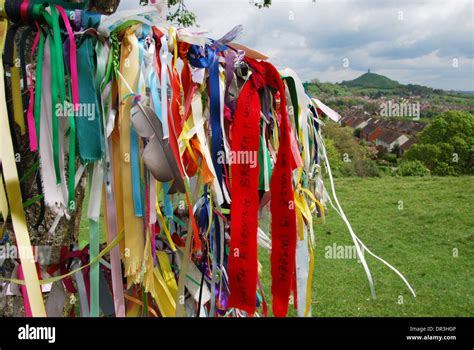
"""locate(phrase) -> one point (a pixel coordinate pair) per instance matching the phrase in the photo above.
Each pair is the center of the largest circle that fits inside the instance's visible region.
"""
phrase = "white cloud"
(408, 40)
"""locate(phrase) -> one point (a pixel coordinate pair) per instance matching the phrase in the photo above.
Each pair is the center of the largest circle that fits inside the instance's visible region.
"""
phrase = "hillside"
(370, 90)
(377, 85)
(421, 240)
(372, 80)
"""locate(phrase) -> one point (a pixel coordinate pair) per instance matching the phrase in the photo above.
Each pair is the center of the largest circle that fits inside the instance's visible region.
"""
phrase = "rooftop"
(388, 136)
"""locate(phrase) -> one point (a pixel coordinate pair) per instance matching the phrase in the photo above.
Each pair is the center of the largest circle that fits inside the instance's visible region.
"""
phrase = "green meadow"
(422, 226)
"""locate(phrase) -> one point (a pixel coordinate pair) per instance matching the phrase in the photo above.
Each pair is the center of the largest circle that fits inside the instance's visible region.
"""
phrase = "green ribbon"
(94, 268)
(57, 86)
(57, 82)
(290, 82)
(261, 160)
(89, 131)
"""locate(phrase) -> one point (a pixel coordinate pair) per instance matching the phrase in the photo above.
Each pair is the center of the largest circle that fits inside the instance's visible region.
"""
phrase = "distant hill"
(367, 89)
(377, 85)
(372, 81)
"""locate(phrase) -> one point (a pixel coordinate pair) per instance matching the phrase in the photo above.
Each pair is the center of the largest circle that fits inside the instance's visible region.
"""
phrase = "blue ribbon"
(211, 62)
(134, 150)
(137, 201)
(168, 204)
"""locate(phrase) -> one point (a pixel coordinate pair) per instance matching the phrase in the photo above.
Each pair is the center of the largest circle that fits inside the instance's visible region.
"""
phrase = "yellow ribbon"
(135, 310)
(12, 183)
(16, 92)
(164, 299)
(3, 206)
(310, 278)
(162, 218)
(106, 250)
(184, 139)
(304, 210)
(134, 242)
(314, 199)
(167, 273)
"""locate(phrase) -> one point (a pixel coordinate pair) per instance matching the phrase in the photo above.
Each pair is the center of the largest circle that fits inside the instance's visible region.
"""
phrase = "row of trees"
(446, 146)
(346, 156)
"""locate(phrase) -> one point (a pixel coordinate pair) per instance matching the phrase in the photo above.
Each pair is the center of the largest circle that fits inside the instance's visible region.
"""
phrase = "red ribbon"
(243, 268)
(65, 256)
(282, 205)
(24, 10)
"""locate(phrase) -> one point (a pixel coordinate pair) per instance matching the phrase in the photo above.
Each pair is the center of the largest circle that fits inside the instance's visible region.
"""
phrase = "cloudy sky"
(428, 42)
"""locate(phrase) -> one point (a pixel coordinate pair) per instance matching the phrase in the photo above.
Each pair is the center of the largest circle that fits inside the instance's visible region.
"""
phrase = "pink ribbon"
(26, 301)
(73, 59)
(117, 281)
(29, 116)
(24, 10)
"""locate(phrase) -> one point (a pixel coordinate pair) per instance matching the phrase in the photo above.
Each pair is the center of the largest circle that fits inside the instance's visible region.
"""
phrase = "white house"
(389, 138)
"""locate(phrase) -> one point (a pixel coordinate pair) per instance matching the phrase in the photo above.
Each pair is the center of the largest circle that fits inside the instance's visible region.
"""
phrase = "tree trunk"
(67, 231)
(106, 7)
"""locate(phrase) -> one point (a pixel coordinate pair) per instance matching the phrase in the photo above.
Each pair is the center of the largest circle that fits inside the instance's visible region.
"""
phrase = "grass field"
(421, 240)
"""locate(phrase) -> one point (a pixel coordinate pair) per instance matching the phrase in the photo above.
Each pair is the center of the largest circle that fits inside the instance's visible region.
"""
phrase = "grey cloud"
(314, 37)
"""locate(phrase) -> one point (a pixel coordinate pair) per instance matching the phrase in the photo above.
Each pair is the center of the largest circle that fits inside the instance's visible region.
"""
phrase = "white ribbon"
(165, 59)
(357, 242)
(55, 196)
